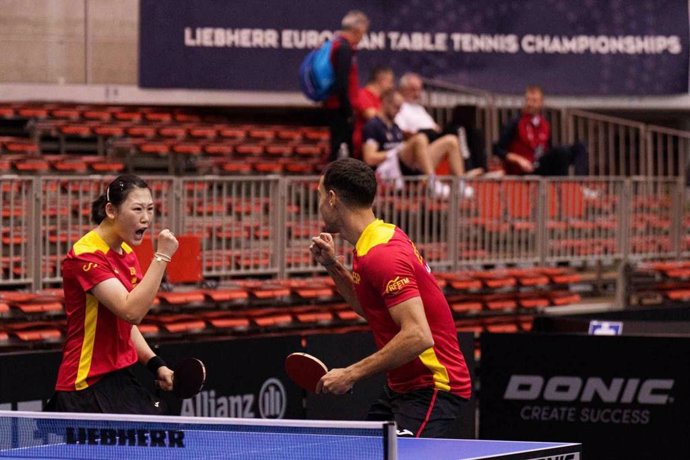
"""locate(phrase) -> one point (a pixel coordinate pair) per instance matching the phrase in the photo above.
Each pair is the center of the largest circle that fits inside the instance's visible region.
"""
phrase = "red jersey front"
(388, 270)
(98, 342)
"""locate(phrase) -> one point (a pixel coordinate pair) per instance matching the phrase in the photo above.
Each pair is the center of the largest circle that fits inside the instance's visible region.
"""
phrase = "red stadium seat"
(35, 331)
(173, 132)
(128, 116)
(157, 148)
(232, 132)
(177, 324)
(219, 149)
(277, 319)
(32, 165)
(288, 134)
(7, 112)
(237, 167)
(249, 149)
(225, 320)
(107, 166)
(279, 150)
(32, 112)
(308, 150)
(66, 113)
(225, 295)
(158, 117)
(185, 298)
(203, 132)
(262, 134)
(98, 115)
(141, 131)
(81, 130)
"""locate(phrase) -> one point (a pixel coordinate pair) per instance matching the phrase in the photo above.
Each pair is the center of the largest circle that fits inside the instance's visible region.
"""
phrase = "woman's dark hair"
(353, 180)
(116, 193)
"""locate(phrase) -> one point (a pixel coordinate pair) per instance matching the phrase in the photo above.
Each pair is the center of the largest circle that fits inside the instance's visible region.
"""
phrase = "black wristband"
(154, 364)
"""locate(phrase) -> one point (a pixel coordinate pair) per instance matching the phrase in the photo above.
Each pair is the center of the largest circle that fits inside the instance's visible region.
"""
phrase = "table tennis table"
(39, 435)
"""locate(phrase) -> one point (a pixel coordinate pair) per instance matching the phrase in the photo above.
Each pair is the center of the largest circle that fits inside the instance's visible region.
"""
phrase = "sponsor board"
(599, 391)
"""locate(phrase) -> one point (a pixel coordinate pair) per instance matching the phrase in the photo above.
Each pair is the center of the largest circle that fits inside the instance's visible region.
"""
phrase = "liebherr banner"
(570, 47)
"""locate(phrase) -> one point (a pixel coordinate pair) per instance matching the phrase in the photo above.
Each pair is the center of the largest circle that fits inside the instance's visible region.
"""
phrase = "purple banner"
(577, 47)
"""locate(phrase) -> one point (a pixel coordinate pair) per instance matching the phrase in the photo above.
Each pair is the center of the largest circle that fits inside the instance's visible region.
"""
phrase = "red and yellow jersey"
(98, 342)
(388, 270)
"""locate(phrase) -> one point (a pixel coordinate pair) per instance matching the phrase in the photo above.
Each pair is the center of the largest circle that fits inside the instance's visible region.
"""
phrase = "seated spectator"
(381, 80)
(386, 150)
(525, 143)
(413, 118)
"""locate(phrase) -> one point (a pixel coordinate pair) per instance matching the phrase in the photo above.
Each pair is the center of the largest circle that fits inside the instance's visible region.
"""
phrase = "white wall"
(69, 41)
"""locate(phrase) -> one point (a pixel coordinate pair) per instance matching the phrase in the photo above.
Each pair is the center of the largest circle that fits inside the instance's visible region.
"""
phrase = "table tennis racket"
(189, 378)
(305, 370)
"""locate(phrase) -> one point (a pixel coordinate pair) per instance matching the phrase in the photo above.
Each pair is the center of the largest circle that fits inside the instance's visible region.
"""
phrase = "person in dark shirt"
(343, 100)
(385, 149)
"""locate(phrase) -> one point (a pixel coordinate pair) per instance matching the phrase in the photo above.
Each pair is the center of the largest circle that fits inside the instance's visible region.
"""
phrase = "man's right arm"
(323, 250)
(508, 133)
(371, 154)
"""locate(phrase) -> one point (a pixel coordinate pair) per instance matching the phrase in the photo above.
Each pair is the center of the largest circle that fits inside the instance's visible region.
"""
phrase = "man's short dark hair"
(389, 94)
(534, 88)
(352, 180)
(377, 71)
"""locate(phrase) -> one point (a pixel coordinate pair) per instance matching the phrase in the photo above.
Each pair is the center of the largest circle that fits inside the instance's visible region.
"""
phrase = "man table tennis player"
(392, 287)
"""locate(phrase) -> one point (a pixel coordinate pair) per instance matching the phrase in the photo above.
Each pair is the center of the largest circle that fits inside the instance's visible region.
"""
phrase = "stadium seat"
(179, 323)
(225, 320)
(203, 132)
(35, 331)
(172, 132)
(96, 115)
(74, 129)
(226, 295)
(7, 112)
(158, 117)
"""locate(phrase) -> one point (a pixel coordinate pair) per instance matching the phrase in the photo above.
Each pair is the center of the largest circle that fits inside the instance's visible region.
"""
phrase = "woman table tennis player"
(105, 298)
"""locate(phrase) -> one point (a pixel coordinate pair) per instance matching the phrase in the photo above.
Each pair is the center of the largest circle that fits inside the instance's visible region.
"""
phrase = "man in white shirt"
(413, 118)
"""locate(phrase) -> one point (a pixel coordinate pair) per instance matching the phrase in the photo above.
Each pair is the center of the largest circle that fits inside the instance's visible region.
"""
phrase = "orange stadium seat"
(203, 132)
(232, 132)
(225, 320)
(7, 111)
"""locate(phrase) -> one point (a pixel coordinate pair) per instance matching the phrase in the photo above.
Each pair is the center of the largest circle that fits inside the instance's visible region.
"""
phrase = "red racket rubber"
(305, 370)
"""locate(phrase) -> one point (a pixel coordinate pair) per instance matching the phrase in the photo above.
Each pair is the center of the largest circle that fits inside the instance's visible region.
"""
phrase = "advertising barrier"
(622, 397)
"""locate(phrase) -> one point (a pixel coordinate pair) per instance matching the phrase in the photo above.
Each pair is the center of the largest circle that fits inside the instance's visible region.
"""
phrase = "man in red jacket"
(343, 101)
(525, 143)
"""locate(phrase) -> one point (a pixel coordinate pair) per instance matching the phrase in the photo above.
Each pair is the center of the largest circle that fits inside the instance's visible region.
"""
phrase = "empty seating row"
(657, 283)
(59, 164)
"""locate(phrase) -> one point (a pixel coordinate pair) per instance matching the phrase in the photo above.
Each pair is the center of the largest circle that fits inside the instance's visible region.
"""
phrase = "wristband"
(160, 257)
(154, 364)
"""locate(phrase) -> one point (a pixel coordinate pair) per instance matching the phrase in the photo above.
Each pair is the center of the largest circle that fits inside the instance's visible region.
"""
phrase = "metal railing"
(616, 146)
(668, 151)
(253, 226)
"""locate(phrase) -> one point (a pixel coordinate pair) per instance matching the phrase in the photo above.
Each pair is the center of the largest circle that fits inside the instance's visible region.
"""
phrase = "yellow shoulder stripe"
(90, 242)
(377, 232)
